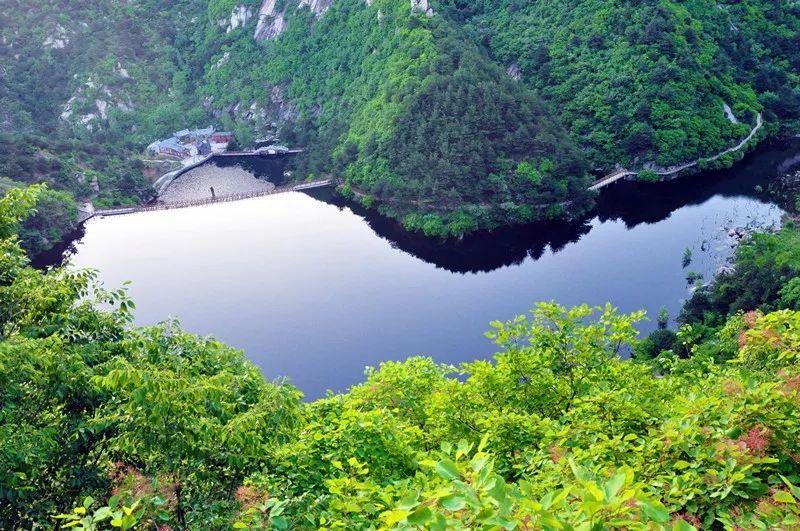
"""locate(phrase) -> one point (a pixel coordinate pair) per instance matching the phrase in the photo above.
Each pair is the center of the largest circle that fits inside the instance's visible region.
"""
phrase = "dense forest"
(108, 425)
(447, 115)
(644, 82)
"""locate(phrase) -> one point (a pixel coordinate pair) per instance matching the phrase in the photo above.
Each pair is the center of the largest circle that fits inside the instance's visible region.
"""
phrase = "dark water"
(315, 290)
(272, 167)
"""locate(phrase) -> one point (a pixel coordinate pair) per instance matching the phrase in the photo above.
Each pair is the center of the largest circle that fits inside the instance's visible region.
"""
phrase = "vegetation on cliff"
(85, 86)
(104, 424)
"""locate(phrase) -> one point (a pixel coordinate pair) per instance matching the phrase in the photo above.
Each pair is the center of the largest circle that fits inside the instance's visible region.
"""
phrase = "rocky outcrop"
(268, 115)
(57, 39)
(91, 103)
(102, 108)
(222, 61)
(422, 6)
(121, 71)
(281, 110)
(318, 7)
(514, 72)
(240, 16)
(265, 117)
(270, 22)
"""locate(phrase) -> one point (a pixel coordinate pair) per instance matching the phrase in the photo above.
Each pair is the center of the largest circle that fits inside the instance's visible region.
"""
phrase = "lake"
(315, 290)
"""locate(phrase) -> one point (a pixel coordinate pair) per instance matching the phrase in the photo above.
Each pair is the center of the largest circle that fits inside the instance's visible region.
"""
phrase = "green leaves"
(613, 485)
(550, 360)
(655, 512)
(112, 516)
(15, 206)
(682, 525)
(452, 503)
(447, 469)
(631, 450)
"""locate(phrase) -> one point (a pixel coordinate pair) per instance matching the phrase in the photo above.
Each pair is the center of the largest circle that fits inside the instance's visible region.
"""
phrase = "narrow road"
(612, 178)
(621, 174)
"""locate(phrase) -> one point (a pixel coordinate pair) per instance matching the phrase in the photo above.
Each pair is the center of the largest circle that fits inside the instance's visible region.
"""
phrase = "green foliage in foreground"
(56, 216)
(105, 425)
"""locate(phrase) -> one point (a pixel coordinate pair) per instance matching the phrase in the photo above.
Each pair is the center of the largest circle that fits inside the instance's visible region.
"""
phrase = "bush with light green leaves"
(105, 425)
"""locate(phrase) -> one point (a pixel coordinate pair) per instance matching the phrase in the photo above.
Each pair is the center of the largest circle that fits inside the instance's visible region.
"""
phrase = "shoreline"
(175, 174)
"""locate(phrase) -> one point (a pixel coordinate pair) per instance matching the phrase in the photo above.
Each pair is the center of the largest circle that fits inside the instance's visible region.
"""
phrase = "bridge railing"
(210, 200)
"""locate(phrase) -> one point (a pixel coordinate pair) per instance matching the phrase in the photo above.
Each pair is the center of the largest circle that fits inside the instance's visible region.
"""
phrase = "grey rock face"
(270, 22)
(318, 7)
(422, 6)
(239, 18)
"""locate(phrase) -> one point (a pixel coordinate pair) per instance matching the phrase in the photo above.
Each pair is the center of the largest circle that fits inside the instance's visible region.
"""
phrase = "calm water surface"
(315, 291)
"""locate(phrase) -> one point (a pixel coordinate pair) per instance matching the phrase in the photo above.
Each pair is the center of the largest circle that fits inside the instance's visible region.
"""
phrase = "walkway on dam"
(86, 213)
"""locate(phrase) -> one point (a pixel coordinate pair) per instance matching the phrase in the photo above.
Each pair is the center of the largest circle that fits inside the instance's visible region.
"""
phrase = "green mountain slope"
(85, 85)
(646, 82)
(449, 116)
(412, 117)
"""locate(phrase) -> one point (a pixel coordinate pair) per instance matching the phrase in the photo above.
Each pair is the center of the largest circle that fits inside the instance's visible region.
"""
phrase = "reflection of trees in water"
(269, 167)
(480, 252)
(636, 203)
(488, 251)
(632, 203)
(61, 253)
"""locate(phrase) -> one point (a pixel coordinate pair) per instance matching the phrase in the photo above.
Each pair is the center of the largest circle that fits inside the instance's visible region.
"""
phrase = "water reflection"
(630, 202)
(60, 253)
(482, 252)
(309, 292)
(272, 167)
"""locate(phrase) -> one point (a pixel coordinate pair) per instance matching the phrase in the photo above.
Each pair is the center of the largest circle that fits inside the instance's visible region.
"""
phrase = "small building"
(272, 149)
(190, 142)
(172, 147)
(182, 135)
(194, 136)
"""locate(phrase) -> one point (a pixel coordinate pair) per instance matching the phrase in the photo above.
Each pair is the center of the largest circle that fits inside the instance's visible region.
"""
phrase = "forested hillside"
(85, 86)
(105, 425)
(394, 102)
(646, 82)
(449, 116)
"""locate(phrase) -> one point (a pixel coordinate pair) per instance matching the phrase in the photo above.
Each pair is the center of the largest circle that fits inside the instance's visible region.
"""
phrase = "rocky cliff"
(318, 7)
(272, 22)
